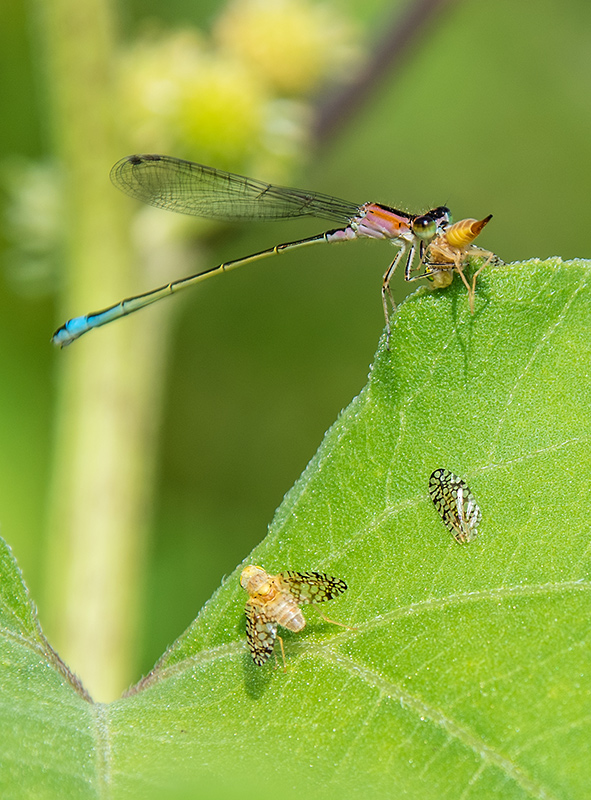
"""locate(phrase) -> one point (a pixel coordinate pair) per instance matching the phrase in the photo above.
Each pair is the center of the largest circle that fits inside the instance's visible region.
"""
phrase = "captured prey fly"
(449, 252)
(190, 188)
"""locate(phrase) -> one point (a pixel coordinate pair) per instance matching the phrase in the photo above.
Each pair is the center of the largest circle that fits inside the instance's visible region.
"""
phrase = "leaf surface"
(468, 673)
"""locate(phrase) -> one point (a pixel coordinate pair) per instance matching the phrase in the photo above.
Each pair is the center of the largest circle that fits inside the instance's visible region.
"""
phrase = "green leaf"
(468, 675)
(47, 722)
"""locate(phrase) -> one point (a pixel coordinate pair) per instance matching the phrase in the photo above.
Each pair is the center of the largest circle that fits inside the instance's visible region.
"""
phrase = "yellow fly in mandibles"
(449, 252)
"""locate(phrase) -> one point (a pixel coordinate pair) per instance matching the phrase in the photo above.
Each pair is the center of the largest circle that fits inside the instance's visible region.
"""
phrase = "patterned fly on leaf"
(275, 599)
(456, 504)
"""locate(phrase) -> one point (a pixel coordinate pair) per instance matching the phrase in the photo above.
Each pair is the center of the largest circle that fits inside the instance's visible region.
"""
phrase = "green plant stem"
(107, 400)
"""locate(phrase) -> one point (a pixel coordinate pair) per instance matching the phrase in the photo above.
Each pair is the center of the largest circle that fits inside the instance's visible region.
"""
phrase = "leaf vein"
(546, 336)
(455, 730)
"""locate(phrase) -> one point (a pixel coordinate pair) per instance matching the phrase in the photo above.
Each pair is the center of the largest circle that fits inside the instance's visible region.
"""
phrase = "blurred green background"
(490, 113)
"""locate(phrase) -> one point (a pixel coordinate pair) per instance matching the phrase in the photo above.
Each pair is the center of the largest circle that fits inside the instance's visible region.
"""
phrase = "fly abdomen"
(288, 615)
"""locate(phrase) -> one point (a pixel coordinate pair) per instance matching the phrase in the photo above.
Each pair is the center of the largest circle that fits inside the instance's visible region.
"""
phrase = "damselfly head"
(427, 226)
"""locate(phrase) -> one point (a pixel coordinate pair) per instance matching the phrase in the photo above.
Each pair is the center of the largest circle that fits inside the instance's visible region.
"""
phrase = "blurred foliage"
(490, 115)
(235, 99)
(177, 91)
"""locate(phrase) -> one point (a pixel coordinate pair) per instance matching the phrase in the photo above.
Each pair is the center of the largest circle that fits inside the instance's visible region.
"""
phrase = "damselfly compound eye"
(424, 227)
(442, 216)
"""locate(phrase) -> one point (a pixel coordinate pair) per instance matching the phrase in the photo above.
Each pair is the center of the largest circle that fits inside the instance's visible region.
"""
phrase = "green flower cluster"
(236, 99)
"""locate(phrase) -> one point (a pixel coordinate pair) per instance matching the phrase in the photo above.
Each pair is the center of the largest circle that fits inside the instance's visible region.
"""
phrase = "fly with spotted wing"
(275, 600)
(455, 504)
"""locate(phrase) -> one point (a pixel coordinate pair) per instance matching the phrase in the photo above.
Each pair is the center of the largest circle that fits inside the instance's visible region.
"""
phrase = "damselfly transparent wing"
(261, 632)
(455, 504)
(311, 587)
(190, 188)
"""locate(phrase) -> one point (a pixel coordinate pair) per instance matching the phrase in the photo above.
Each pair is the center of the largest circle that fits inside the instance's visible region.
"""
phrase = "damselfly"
(190, 188)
